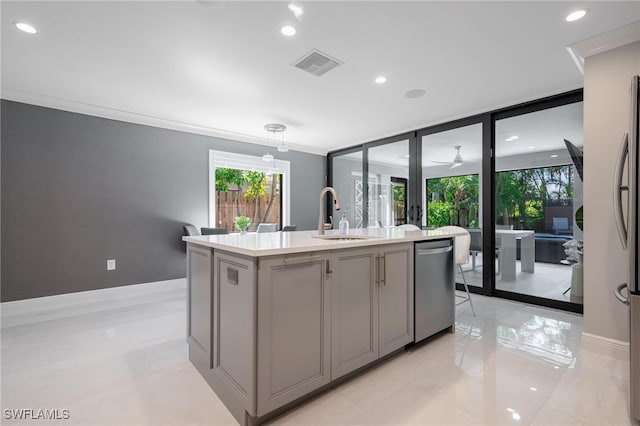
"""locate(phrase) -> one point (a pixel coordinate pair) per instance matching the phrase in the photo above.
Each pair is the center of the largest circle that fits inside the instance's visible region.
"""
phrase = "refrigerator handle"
(619, 294)
(618, 189)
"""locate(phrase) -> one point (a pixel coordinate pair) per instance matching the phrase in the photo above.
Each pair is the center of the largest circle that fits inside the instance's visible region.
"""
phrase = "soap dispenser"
(343, 226)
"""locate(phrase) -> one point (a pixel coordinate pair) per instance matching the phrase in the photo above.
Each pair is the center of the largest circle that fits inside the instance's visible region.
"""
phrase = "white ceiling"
(223, 68)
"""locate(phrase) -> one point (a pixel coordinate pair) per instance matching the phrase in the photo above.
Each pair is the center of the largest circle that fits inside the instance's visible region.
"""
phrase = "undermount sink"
(343, 237)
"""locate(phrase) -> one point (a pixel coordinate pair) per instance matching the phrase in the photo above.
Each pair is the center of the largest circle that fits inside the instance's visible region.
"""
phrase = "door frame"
(488, 240)
(549, 102)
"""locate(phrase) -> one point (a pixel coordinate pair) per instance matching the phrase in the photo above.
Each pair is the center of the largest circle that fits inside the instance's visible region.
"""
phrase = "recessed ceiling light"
(415, 93)
(554, 156)
(288, 30)
(381, 79)
(296, 9)
(23, 26)
(511, 138)
(574, 16)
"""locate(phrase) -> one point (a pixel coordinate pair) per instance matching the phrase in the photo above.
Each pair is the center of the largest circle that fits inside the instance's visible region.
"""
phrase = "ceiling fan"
(457, 160)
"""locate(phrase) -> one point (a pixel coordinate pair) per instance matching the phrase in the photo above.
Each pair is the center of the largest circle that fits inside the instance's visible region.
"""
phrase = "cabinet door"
(396, 297)
(293, 328)
(354, 305)
(234, 325)
(199, 301)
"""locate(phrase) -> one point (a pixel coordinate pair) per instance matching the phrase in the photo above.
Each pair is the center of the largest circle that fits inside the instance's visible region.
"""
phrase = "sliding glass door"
(387, 197)
(538, 199)
(388, 191)
(507, 176)
(451, 170)
(347, 181)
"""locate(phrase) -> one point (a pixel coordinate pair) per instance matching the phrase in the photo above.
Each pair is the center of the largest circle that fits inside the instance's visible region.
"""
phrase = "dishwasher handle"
(426, 252)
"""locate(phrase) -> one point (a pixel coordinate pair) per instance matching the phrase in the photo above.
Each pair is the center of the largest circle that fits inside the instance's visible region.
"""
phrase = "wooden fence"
(261, 209)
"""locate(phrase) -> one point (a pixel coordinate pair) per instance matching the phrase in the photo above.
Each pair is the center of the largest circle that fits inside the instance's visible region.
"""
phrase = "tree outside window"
(530, 198)
(255, 194)
(453, 201)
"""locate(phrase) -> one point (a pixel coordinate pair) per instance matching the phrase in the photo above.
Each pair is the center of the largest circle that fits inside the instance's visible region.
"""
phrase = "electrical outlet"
(111, 264)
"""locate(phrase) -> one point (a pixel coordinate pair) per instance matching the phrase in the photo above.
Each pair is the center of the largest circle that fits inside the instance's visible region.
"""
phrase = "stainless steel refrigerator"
(626, 214)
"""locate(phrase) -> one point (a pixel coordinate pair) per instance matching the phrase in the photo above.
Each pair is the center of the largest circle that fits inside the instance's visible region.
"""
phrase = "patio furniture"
(561, 226)
(508, 251)
(549, 248)
(476, 248)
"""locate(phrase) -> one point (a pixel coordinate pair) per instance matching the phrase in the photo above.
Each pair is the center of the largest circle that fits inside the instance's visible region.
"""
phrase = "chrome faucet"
(321, 224)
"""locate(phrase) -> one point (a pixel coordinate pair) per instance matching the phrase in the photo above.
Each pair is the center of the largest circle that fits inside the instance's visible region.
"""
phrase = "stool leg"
(466, 288)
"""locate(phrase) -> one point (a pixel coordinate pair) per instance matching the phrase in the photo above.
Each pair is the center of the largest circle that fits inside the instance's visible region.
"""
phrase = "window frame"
(249, 162)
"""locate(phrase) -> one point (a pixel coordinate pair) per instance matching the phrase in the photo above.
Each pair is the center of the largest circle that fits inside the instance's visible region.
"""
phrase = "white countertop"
(275, 243)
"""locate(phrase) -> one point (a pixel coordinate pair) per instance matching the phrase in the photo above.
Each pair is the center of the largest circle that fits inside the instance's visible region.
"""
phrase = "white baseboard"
(28, 311)
(600, 345)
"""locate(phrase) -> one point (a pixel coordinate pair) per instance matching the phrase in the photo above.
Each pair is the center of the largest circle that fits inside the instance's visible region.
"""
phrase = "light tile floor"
(127, 365)
(549, 281)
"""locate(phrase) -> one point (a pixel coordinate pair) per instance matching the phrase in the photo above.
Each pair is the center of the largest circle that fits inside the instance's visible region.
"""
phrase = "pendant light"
(274, 128)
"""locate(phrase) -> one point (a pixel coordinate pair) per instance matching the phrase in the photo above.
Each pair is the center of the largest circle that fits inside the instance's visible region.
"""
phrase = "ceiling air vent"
(317, 63)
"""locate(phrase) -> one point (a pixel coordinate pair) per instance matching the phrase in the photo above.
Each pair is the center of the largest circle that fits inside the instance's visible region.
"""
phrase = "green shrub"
(439, 213)
(242, 223)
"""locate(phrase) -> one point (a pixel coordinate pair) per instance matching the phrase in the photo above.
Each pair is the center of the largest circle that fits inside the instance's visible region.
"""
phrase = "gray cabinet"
(234, 308)
(266, 331)
(354, 305)
(396, 297)
(293, 328)
(199, 300)
(372, 304)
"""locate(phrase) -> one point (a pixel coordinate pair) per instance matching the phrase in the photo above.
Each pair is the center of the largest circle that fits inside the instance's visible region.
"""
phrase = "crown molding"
(609, 40)
(143, 119)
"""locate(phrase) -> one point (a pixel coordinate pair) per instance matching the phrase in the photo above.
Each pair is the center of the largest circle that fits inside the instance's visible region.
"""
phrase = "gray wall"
(78, 190)
(607, 77)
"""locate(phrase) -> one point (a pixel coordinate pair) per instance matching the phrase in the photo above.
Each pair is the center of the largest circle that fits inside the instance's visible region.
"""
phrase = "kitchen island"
(274, 318)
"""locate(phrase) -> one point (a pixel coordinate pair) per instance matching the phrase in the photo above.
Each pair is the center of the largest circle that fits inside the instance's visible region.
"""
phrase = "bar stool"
(461, 256)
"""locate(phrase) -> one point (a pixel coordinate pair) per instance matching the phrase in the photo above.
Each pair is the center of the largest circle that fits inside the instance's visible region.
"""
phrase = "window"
(245, 185)
(538, 198)
(453, 200)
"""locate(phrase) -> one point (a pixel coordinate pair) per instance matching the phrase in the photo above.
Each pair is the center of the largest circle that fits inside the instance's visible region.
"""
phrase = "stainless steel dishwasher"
(434, 288)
